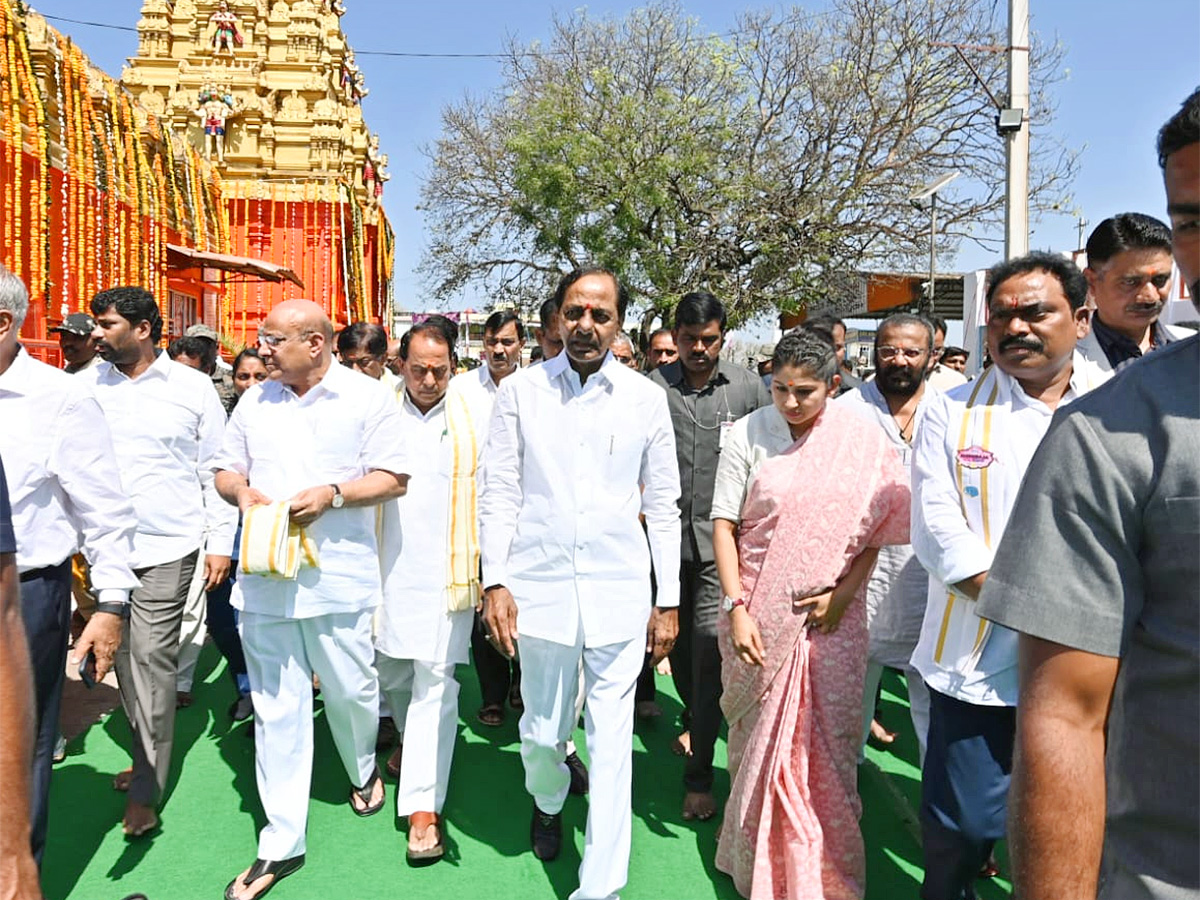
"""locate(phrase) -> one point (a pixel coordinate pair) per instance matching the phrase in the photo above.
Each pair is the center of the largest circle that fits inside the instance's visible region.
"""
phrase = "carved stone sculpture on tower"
(215, 111)
(225, 30)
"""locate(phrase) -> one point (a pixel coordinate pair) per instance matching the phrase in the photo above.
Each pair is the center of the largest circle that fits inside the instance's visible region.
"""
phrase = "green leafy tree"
(767, 165)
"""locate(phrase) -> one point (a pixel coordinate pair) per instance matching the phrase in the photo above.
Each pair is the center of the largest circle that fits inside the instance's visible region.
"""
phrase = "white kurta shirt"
(479, 389)
(342, 428)
(414, 621)
(62, 476)
(950, 549)
(898, 586)
(560, 501)
(167, 425)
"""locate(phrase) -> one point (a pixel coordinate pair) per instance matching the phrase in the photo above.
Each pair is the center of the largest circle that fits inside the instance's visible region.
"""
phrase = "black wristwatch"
(117, 609)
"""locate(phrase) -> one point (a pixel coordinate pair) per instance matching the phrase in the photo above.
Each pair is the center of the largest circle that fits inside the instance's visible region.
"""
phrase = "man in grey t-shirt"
(1099, 571)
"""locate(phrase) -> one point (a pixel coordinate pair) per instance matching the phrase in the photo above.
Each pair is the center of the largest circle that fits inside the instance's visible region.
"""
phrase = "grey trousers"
(146, 668)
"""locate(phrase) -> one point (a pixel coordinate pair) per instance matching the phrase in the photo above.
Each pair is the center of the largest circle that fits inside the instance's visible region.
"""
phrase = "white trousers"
(281, 657)
(192, 631)
(423, 697)
(918, 704)
(549, 687)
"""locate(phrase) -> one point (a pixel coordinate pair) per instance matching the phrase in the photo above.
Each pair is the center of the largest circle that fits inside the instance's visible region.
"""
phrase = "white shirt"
(560, 500)
(414, 621)
(342, 428)
(949, 549)
(167, 426)
(945, 378)
(898, 586)
(62, 476)
(479, 390)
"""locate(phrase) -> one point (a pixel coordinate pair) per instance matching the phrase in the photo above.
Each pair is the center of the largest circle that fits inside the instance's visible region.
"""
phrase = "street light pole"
(1016, 203)
(932, 251)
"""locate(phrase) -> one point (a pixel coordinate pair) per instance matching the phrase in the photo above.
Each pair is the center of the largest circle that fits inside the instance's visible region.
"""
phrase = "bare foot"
(698, 805)
(682, 745)
(664, 666)
(122, 779)
(880, 734)
(139, 819)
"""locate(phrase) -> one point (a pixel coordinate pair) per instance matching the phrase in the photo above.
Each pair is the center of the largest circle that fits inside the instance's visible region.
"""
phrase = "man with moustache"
(429, 556)
(328, 443)
(167, 424)
(974, 446)
(567, 564)
(705, 396)
(76, 342)
(548, 338)
(503, 342)
(660, 349)
(896, 401)
(1098, 572)
(1129, 274)
(65, 485)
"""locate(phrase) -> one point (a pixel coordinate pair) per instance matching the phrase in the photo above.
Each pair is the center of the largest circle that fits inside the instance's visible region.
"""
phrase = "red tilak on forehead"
(588, 307)
(791, 384)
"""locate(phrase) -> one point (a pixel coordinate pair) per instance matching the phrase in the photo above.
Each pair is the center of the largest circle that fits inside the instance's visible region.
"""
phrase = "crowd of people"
(351, 514)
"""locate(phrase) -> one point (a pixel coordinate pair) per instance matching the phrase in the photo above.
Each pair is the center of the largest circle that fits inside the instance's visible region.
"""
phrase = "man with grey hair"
(66, 493)
(622, 350)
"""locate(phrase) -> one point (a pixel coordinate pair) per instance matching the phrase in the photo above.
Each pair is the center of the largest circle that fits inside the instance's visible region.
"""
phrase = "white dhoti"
(549, 687)
(281, 656)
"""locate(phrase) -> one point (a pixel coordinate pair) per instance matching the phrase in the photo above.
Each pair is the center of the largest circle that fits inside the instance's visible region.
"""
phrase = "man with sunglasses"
(330, 444)
(1129, 276)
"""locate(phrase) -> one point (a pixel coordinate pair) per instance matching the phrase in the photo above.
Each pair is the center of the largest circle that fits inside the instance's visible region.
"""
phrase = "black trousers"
(46, 609)
(496, 672)
(696, 668)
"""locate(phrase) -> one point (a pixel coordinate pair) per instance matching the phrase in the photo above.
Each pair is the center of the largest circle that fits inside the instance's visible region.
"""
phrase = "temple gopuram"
(229, 169)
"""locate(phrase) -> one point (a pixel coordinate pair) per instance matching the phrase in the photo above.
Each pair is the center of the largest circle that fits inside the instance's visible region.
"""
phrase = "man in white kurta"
(327, 441)
(424, 626)
(571, 443)
(896, 400)
(972, 451)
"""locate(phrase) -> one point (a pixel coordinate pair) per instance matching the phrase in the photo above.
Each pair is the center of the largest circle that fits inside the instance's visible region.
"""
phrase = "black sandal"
(280, 869)
(491, 715)
(364, 794)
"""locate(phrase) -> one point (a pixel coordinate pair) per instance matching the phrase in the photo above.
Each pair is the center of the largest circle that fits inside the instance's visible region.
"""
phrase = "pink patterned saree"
(791, 822)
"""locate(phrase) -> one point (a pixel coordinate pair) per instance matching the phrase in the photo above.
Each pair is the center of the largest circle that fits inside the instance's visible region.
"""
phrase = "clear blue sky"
(1128, 72)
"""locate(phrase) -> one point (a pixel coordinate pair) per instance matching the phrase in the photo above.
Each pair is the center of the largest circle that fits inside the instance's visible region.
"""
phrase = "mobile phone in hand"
(87, 670)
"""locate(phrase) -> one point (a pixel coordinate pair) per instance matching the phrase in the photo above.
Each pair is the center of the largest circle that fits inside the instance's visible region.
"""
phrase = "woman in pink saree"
(806, 494)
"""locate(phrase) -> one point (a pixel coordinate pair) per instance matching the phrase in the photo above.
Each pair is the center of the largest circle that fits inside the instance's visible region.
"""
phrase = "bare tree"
(766, 165)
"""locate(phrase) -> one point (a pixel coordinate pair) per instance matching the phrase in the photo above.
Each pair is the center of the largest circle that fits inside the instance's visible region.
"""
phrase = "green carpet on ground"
(212, 816)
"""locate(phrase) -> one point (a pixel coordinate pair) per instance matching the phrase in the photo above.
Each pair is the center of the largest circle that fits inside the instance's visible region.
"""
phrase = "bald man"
(329, 441)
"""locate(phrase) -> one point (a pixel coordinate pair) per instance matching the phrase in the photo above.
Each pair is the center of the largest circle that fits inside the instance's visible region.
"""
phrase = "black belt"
(46, 571)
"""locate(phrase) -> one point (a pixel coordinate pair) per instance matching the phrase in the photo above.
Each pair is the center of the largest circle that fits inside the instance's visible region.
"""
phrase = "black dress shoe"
(579, 775)
(545, 834)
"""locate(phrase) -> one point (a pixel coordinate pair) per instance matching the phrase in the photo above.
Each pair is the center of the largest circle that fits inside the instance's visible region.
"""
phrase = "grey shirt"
(700, 419)
(1102, 553)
